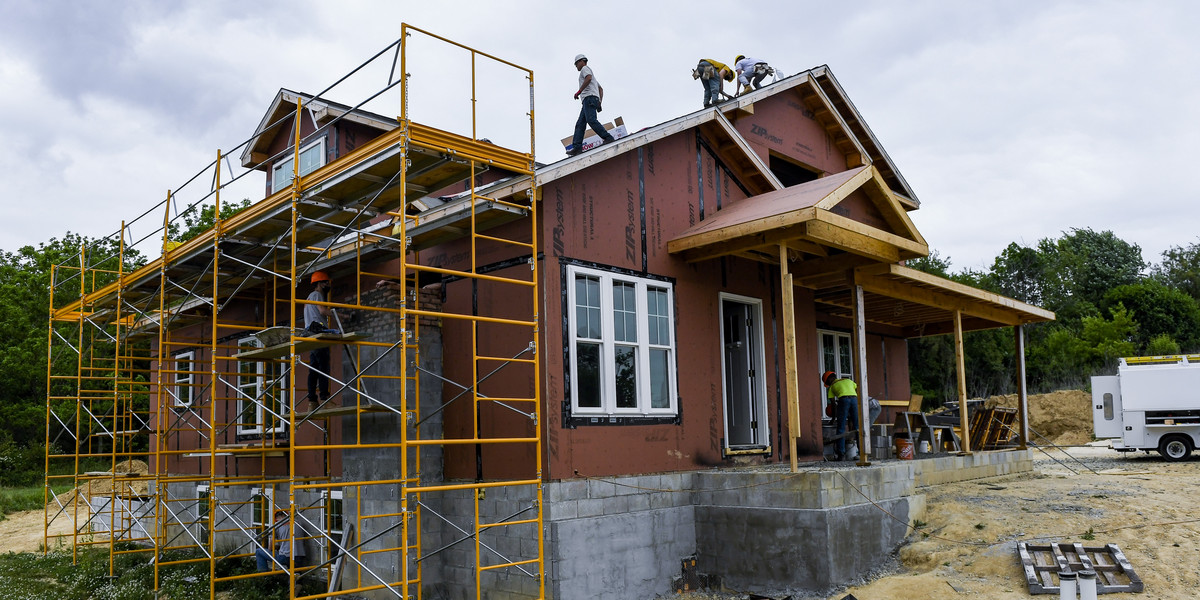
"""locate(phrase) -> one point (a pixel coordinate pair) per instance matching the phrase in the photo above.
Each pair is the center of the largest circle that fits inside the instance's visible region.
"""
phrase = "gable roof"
(817, 88)
(802, 217)
(321, 111)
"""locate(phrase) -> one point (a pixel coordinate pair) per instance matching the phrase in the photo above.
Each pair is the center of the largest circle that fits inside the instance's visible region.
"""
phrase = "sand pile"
(102, 485)
(1063, 417)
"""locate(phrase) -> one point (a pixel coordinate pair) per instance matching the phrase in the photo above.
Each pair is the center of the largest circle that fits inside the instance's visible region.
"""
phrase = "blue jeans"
(712, 91)
(264, 560)
(847, 411)
(587, 117)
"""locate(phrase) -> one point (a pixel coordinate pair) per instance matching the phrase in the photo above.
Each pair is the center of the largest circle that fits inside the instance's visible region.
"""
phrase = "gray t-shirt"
(312, 312)
(593, 86)
(282, 546)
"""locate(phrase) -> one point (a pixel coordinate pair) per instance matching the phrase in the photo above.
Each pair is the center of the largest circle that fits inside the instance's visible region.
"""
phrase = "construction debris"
(1043, 563)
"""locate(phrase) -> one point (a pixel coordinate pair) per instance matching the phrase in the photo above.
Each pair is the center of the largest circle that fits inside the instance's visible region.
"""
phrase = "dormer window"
(312, 156)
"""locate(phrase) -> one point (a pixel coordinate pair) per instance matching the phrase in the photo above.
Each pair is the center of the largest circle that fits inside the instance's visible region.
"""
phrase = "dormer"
(328, 130)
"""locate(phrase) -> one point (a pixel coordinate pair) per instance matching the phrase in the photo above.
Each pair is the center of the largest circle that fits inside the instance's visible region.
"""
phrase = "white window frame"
(254, 389)
(183, 389)
(268, 515)
(843, 371)
(203, 516)
(284, 165)
(608, 392)
(334, 534)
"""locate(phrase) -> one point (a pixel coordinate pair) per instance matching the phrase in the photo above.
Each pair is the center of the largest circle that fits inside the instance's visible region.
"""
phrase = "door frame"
(758, 362)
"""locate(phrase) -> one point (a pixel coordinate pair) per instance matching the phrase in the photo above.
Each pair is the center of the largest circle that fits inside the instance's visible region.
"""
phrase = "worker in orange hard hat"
(316, 320)
(844, 392)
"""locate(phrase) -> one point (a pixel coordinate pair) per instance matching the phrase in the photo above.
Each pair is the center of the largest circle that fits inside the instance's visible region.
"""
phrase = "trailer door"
(1106, 407)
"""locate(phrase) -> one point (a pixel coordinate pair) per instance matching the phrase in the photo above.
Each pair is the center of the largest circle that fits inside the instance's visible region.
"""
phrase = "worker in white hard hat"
(750, 71)
(593, 94)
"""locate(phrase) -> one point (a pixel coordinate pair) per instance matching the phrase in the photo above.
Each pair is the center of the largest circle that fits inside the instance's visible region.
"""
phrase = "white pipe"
(1066, 585)
(1087, 585)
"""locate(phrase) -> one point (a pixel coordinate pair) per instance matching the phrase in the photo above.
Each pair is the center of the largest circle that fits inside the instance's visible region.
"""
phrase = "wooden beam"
(918, 248)
(845, 127)
(747, 153)
(860, 369)
(1033, 313)
(960, 371)
(823, 232)
(749, 242)
(837, 263)
(1022, 392)
(909, 292)
(757, 226)
(789, 356)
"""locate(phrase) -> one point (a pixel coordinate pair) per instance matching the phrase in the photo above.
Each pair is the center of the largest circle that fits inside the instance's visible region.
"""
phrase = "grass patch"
(16, 499)
(30, 576)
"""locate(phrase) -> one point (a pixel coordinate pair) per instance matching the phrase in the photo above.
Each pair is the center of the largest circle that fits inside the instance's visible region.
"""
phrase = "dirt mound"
(131, 478)
(1063, 417)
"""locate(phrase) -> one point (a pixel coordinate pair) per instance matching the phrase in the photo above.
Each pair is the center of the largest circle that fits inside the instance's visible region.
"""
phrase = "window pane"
(625, 311)
(626, 376)
(847, 365)
(656, 306)
(660, 383)
(310, 159)
(281, 176)
(587, 307)
(587, 380)
(828, 349)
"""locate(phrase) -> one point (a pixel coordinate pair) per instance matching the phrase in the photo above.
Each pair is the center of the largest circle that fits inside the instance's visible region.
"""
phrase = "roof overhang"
(920, 304)
(802, 218)
(322, 112)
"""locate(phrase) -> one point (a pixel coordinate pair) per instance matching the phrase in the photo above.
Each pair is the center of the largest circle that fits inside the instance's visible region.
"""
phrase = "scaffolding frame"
(172, 364)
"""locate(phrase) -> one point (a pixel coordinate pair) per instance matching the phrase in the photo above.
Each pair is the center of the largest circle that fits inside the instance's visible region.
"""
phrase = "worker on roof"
(844, 392)
(593, 94)
(750, 71)
(712, 76)
(316, 320)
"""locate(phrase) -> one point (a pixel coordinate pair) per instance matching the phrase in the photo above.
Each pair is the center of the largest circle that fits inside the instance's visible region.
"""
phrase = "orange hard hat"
(828, 377)
(319, 276)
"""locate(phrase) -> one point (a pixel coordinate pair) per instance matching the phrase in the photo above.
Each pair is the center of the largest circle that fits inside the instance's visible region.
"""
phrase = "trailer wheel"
(1175, 447)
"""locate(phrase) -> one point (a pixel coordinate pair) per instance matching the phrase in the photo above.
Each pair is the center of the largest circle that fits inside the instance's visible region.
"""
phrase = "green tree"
(24, 309)
(1083, 265)
(199, 218)
(1159, 310)
(1180, 269)
(1019, 273)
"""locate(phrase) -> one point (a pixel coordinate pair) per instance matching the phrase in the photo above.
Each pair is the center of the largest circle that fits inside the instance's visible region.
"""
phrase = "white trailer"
(1152, 403)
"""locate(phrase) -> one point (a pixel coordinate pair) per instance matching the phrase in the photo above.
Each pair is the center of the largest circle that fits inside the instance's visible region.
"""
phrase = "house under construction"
(549, 381)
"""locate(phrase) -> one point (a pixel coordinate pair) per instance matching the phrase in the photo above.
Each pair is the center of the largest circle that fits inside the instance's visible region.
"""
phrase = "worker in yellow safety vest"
(844, 393)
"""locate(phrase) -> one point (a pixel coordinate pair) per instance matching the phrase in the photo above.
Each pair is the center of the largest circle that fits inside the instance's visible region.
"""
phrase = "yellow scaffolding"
(190, 363)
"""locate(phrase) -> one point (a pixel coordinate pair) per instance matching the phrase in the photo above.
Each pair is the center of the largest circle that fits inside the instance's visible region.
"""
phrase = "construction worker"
(316, 320)
(712, 76)
(276, 539)
(593, 95)
(845, 393)
(750, 71)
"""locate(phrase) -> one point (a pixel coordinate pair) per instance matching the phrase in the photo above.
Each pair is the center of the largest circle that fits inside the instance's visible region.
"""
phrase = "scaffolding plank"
(1042, 563)
(320, 340)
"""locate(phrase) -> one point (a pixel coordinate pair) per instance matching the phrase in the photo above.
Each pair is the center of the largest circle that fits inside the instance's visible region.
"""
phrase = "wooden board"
(320, 340)
(1042, 563)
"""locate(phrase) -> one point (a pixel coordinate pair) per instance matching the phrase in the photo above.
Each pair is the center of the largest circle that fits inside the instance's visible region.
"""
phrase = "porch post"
(1022, 392)
(960, 370)
(860, 370)
(792, 385)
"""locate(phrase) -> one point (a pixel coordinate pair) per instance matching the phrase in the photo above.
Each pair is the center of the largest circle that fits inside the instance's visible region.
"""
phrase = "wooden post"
(789, 355)
(960, 370)
(860, 369)
(1022, 392)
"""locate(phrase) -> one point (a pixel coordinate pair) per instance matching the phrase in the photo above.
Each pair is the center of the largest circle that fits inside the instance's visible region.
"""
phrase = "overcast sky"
(1012, 121)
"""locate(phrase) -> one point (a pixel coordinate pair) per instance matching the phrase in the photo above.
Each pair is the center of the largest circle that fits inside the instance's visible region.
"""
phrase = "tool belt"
(704, 71)
(763, 69)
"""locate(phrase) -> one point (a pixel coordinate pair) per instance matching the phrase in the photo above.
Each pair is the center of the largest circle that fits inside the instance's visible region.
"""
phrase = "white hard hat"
(579, 57)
